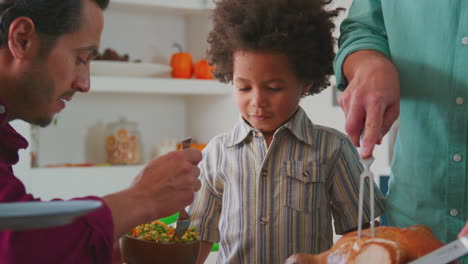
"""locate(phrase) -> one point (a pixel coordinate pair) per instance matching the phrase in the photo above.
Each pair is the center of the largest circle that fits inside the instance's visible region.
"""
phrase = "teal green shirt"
(427, 40)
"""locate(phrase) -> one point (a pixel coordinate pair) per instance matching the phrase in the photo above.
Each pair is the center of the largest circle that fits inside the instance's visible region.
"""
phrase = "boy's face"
(266, 90)
(49, 82)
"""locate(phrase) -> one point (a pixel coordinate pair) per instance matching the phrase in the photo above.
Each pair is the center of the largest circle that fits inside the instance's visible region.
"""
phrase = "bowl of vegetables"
(154, 243)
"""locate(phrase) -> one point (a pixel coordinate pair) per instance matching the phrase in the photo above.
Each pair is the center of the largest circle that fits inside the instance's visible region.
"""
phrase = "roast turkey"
(391, 245)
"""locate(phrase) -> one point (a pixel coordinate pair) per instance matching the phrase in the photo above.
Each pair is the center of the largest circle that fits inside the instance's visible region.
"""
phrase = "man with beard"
(45, 51)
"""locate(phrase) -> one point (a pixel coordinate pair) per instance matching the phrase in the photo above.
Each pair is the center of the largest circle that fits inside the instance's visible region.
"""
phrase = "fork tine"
(367, 173)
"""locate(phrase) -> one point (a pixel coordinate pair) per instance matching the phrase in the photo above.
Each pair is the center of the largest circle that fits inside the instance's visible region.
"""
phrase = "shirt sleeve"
(206, 208)
(344, 184)
(364, 28)
(89, 239)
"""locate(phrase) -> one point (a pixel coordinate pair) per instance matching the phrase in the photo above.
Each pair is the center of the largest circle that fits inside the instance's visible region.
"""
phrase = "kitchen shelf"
(65, 172)
(172, 6)
(158, 86)
(84, 180)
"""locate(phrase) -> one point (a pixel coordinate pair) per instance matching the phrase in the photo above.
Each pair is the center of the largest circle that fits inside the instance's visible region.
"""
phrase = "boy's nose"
(258, 100)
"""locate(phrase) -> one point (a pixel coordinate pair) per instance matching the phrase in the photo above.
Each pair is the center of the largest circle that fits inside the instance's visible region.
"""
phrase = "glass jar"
(123, 143)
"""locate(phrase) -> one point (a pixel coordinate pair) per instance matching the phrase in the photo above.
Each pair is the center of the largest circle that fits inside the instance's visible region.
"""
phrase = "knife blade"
(445, 254)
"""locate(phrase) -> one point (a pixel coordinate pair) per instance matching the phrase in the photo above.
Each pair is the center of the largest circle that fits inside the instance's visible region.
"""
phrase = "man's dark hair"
(299, 29)
(52, 18)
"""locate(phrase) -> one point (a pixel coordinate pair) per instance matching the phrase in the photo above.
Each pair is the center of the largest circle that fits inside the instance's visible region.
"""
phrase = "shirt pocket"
(304, 187)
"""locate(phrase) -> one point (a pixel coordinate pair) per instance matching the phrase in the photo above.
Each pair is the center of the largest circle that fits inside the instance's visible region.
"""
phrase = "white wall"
(143, 35)
(79, 134)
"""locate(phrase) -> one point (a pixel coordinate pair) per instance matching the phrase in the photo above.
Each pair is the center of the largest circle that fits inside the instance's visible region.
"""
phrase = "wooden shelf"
(158, 86)
(183, 7)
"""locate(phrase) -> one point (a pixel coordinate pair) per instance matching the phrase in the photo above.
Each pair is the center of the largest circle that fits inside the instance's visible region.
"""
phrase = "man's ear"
(22, 38)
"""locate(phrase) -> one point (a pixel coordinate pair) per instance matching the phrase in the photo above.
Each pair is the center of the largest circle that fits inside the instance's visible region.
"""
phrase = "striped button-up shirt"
(263, 204)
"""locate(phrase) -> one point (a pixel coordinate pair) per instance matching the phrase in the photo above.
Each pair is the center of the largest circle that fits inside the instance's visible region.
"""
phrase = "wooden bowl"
(138, 251)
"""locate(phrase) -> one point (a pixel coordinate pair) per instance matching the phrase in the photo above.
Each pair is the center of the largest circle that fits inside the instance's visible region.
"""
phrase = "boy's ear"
(307, 87)
(22, 38)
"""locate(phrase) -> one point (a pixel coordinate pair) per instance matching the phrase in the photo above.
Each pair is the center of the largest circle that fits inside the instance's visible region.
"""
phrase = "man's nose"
(82, 82)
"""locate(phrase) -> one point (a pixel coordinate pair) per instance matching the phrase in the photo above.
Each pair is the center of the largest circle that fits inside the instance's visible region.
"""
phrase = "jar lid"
(122, 122)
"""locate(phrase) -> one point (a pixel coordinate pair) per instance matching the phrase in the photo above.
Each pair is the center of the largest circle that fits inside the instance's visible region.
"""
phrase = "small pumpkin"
(203, 70)
(181, 63)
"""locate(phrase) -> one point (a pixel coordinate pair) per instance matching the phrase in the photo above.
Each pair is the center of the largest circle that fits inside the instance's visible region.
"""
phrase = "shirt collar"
(299, 125)
(239, 133)
(3, 113)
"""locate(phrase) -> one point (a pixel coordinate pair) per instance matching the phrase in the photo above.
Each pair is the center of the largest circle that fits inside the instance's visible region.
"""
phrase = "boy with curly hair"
(272, 184)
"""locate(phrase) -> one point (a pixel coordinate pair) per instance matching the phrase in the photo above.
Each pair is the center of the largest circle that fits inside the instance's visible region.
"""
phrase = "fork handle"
(183, 215)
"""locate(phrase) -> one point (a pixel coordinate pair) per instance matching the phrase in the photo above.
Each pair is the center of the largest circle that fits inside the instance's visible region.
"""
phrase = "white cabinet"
(163, 108)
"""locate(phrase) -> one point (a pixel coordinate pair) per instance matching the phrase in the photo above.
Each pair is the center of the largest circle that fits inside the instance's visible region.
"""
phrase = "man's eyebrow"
(92, 48)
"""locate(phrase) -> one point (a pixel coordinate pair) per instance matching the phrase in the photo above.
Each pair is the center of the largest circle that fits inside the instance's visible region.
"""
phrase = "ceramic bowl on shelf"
(138, 251)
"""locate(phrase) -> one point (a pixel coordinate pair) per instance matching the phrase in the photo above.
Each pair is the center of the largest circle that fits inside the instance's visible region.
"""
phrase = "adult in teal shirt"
(418, 48)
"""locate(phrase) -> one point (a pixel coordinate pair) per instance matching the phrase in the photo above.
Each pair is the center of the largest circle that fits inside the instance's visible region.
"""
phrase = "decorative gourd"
(203, 70)
(181, 63)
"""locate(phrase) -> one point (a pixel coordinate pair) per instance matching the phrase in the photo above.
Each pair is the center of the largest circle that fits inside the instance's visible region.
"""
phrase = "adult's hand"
(464, 230)
(166, 185)
(371, 102)
(170, 181)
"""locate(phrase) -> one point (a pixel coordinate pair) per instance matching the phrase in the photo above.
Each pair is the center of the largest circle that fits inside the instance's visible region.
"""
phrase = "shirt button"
(454, 212)
(459, 100)
(2, 109)
(465, 41)
(457, 157)
(264, 220)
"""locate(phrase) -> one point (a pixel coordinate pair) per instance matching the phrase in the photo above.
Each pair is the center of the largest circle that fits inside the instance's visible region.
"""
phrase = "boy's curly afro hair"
(299, 29)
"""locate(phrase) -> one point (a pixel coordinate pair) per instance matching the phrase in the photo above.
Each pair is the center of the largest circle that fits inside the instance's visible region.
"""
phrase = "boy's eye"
(243, 89)
(275, 89)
